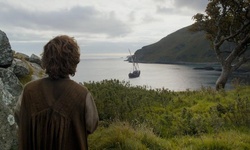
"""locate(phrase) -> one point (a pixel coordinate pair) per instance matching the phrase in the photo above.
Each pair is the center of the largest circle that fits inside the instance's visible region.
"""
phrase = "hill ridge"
(180, 46)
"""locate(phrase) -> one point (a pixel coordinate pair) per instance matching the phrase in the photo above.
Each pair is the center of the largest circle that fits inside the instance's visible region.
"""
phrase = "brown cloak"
(52, 116)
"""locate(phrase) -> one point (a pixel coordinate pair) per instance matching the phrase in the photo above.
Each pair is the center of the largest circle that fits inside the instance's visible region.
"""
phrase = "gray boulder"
(11, 85)
(6, 55)
(37, 71)
(10, 89)
(35, 59)
(22, 56)
(20, 68)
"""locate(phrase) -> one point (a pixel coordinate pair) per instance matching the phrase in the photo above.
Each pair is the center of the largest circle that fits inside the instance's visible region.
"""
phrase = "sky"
(99, 26)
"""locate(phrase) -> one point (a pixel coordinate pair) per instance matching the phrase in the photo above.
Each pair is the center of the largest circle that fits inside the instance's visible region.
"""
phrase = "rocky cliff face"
(16, 69)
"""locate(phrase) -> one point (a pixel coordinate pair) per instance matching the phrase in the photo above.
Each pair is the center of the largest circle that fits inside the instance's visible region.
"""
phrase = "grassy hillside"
(140, 118)
(180, 46)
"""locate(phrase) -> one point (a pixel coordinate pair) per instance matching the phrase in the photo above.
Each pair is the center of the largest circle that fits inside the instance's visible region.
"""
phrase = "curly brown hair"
(60, 57)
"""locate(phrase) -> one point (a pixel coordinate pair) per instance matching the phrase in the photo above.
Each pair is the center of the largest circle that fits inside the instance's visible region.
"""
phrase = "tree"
(227, 25)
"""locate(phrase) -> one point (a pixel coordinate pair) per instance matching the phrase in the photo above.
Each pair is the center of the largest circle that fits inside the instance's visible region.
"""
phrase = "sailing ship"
(135, 72)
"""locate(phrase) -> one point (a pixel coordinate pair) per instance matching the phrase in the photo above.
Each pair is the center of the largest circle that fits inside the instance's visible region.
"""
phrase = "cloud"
(159, 1)
(150, 19)
(197, 5)
(96, 25)
(131, 16)
(77, 19)
(182, 7)
(165, 10)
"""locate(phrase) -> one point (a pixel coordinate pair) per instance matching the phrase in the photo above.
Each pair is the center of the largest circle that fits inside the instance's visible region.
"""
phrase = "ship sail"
(136, 71)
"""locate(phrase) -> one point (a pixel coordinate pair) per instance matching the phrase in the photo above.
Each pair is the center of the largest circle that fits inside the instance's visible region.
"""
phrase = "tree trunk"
(222, 80)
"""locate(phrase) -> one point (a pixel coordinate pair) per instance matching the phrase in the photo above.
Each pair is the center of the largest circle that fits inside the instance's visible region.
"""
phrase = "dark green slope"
(180, 46)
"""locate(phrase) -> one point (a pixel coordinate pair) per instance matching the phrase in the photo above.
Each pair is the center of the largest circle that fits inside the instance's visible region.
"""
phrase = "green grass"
(142, 118)
(25, 79)
(120, 135)
(231, 140)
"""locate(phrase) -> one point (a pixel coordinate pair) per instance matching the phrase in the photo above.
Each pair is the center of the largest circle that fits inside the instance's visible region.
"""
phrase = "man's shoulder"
(32, 84)
(79, 86)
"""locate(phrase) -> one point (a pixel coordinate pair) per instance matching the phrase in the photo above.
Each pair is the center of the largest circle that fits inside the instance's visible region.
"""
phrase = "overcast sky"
(99, 26)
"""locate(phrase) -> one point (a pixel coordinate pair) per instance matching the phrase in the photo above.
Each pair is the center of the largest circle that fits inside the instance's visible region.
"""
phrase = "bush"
(168, 116)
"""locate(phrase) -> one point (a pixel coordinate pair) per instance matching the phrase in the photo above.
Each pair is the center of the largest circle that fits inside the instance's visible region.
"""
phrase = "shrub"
(155, 116)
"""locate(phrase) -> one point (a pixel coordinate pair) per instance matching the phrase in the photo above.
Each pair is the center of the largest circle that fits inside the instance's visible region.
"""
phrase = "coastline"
(242, 74)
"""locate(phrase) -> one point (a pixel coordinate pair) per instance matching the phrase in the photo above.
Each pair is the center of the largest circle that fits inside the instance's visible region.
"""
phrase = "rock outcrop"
(20, 68)
(15, 70)
(6, 54)
(21, 56)
(35, 59)
(11, 88)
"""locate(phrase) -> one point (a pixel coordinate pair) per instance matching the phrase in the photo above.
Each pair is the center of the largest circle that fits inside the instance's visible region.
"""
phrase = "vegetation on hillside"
(180, 46)
(141, 118)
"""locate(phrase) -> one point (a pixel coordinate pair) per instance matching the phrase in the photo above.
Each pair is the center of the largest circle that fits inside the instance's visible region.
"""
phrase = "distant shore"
(243, 72)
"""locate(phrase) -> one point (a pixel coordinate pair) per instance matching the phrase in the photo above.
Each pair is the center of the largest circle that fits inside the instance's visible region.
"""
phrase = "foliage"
(205, 116)
(227, 24)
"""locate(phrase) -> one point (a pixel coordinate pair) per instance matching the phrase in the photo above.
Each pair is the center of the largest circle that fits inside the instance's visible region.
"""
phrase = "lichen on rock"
(11, 119)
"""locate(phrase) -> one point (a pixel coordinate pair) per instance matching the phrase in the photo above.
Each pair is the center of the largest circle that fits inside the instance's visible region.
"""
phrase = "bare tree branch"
(238, 31)
(240, 62)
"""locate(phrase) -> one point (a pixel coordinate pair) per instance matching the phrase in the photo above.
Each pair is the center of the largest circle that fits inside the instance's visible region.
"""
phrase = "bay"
(174, 77)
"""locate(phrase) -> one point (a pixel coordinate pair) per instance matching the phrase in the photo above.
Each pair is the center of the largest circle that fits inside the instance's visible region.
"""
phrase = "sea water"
(174, 77)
